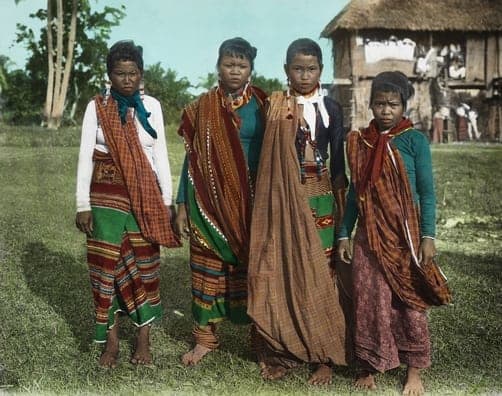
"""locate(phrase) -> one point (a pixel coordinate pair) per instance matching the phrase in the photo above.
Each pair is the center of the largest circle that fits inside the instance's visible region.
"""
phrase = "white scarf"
(309, 111)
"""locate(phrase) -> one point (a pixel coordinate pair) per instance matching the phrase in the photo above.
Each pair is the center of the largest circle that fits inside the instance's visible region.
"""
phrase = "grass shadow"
(58, 279)
(178, 322)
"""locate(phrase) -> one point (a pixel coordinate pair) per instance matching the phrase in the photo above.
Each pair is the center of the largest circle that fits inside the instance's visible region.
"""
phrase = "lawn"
(46, 331)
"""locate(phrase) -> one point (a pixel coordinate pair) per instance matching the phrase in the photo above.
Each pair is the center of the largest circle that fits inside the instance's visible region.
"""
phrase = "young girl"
(223, 131)
(292, 298)
(391, 190)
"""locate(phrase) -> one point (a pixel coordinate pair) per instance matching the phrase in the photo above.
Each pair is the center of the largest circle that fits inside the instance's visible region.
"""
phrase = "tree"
(69, 52)
(168, 89)
(208, 82)
(269, 85)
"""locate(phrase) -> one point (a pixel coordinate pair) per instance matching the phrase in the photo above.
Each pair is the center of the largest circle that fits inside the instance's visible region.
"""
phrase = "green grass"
(46, 304)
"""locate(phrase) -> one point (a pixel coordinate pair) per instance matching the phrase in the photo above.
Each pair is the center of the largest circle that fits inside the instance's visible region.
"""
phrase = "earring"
(108, 86)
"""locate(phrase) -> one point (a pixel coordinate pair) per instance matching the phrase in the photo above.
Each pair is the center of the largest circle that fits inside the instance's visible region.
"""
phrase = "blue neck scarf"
(134, 101)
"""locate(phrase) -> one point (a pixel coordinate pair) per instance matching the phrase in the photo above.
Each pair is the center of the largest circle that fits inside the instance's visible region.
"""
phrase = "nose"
(386, 109)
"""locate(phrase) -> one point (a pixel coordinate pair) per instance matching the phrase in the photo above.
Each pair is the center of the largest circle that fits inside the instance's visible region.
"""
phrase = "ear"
(286, 69)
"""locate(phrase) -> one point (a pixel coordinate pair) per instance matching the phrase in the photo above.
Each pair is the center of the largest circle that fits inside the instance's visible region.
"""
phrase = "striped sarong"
(321, 201)
(124, 267)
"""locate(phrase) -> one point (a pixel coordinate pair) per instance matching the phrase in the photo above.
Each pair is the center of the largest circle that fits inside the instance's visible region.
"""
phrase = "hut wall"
(361, 68)
(342, 56)
(493, 57)
(475, 59)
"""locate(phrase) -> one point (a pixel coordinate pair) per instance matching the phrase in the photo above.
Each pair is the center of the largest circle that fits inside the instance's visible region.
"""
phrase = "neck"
(305, 95)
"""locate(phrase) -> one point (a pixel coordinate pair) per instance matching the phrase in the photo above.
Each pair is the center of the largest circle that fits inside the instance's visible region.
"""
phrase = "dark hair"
(124, 50)
(239, 48)
(303, 46)
(392, 81)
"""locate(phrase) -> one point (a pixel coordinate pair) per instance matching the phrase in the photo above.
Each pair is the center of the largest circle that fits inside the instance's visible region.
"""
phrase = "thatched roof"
(418, 15)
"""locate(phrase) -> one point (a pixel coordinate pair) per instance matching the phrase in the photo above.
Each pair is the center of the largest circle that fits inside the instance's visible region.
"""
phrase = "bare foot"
(365, 381)
(322, 376)
(142, 354)
(413, 385)
(273, 373)
(109, 357)
(194, 356)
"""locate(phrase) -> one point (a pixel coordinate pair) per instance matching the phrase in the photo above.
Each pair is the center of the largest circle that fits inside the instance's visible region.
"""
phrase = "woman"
(123, 203)
(391, 190)
(293, 301)
(223, 132)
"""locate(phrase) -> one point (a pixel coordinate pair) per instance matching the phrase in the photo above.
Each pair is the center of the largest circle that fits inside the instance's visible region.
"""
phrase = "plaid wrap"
(293, 301)
(146, 200)
(390, 218)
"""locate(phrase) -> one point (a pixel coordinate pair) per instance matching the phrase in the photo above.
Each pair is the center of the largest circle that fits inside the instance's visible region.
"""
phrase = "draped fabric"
(390, 217)
(292, 301)
(219, 197)
(218, 168)
(146, 200)
(124, 267)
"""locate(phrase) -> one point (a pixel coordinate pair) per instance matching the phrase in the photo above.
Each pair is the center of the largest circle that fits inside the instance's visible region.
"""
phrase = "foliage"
(23, 104)
(46, 329)
(89, 70)
(171, 91)
(208, 82)
(268, 85)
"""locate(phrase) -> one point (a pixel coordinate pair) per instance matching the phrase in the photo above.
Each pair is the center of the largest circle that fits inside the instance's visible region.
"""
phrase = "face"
(304, 73)
(387, 109)
(234, 72)
(125, 77)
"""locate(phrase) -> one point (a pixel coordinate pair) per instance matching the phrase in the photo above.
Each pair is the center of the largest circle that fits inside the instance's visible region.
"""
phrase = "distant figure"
(494, 96)
(472, 116)
(461, 123)
(456, 70)
(437, 127)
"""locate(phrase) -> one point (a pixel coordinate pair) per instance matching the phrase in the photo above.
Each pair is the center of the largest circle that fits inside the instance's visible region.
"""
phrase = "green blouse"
(414, 149)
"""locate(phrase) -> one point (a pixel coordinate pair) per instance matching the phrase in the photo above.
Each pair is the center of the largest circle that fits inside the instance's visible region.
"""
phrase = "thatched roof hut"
(419, 15)
(455, 45)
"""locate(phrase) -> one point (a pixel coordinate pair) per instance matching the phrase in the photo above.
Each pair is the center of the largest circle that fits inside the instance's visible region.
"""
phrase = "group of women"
(262, 199)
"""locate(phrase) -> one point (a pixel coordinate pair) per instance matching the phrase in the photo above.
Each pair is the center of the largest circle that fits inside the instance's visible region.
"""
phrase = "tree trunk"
(62, 77)
(49, 96)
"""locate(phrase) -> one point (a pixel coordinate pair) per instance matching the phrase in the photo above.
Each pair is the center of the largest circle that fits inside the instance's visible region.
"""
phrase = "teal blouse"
(251, 137)
(414, 149)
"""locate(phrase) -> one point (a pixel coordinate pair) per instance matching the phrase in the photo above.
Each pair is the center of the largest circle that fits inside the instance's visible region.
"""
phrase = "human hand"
(83, 221)
(181, 222)
(427, 250)
(345, 250)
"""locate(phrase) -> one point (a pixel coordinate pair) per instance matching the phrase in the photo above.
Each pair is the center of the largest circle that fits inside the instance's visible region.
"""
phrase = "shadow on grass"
(64, 285)
(176, 297)
(467, 336)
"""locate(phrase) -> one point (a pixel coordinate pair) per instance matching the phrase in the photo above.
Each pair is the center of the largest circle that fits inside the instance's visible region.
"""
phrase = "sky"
(184, 35)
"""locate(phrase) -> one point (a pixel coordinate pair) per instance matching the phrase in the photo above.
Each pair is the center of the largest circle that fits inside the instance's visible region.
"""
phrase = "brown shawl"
(218, 166)
(125, 148)
(292, 298)
(390, 218)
